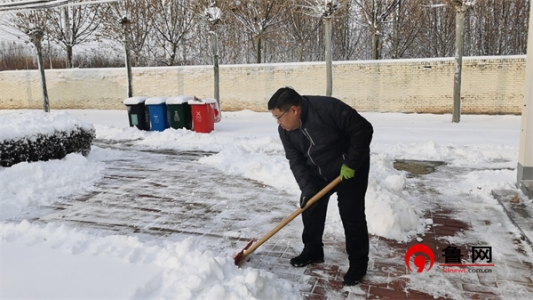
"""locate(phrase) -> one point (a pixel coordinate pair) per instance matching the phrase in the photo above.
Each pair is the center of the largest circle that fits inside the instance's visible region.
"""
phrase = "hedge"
(47, 144)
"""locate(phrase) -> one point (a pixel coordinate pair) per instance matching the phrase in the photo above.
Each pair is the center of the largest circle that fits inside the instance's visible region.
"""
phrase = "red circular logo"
(420, 260)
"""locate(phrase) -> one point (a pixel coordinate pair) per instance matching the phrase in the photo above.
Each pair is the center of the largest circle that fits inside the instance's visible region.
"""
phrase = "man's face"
(288, 119)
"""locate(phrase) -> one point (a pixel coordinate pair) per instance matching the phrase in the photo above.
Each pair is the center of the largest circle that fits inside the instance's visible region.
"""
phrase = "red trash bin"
(203, 115)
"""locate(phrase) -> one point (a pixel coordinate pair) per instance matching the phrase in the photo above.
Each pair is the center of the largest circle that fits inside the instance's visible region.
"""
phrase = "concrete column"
(525, 156)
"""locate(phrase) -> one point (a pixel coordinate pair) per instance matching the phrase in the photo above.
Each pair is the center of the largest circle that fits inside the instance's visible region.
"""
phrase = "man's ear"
(297, 110)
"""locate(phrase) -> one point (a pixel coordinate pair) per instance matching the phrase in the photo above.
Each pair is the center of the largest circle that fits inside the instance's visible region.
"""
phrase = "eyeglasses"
(278, 118)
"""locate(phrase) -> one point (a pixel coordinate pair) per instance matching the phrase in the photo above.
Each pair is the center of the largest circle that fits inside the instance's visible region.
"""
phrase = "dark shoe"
(353, 277)
(308, 256)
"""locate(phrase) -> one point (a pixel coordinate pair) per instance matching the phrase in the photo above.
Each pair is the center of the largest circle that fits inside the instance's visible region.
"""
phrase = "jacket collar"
(304, 111)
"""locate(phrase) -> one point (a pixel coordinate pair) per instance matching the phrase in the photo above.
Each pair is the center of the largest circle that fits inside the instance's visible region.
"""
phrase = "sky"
(37, 259)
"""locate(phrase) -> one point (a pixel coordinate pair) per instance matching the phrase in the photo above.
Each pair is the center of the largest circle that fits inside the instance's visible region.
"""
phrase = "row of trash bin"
(160, 113)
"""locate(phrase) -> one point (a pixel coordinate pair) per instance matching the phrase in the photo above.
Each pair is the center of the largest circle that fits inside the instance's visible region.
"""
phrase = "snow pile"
(248, 146)
(244, 144)
(390, 210)
(41, 183)
(14, 126)
(142, 270)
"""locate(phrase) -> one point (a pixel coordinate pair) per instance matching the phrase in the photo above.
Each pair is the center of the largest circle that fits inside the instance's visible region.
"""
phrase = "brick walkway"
(388, 279)
(158, 194)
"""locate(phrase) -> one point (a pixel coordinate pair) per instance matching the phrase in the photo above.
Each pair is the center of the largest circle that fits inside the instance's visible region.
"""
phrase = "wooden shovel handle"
(311, 201)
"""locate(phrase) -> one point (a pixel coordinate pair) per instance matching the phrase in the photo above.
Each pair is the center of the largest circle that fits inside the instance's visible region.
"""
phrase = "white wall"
(491, 85)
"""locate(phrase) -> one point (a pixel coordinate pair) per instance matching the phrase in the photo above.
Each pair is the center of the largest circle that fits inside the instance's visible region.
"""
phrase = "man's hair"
(284, 98)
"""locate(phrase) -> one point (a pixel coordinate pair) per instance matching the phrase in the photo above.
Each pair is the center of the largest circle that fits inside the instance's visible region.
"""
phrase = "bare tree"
(299, 28)
(438, 33)
(374, 14)
(496, 27)
(32, 19)
(139, 16)
(282, 31)
(347, 36)
(73, 25)
(32, 24)
(407, 18)
(258, 17)
(130, 22)
(172, 23)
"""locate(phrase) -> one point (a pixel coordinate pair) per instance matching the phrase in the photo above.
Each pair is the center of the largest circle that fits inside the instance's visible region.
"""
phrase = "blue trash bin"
(157, 109)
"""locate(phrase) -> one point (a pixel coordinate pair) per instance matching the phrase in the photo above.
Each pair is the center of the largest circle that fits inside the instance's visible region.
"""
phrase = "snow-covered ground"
(58, 261)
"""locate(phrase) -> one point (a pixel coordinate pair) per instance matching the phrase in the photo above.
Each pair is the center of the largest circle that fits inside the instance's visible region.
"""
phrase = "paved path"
(168, 195)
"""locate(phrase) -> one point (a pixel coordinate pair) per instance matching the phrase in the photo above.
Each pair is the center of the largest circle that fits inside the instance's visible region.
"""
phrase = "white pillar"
(525, 156)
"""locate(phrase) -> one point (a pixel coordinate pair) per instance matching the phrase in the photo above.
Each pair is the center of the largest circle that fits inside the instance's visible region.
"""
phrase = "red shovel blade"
(238, 257)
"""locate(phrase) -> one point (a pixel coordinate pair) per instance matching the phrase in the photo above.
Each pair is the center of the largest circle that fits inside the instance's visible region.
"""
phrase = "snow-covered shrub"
(42, 136)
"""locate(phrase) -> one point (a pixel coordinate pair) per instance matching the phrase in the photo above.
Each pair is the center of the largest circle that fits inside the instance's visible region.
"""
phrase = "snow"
(57, 261)
(213, 14)
(179, 99)
(134, 100)
(16, 125)
(196, 101)
(155, 100)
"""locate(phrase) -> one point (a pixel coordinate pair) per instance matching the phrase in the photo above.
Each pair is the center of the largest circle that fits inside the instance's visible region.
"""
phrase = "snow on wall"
(491, 85)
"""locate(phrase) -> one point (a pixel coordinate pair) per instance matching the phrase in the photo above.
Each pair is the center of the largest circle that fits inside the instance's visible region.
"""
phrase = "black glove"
(307, 193)
(304, 199)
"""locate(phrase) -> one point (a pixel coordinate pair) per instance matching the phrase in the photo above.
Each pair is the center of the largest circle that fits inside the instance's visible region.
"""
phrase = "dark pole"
(36, 35)
(126, 24)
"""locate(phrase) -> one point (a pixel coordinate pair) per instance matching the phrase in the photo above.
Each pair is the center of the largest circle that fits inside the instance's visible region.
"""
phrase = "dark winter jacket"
(331, 133)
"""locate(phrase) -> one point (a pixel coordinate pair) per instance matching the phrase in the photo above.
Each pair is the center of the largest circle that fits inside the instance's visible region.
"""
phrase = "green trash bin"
(179, 112)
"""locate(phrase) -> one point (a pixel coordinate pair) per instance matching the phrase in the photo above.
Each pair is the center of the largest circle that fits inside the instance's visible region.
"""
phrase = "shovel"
(251, 248)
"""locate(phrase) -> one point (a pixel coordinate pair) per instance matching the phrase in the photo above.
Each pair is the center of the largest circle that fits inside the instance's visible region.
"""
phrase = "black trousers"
(351, 201)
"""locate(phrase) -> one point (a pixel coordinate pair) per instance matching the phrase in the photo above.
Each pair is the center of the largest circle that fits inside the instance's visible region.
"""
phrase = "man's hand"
(347, 172)
(307, 193)
(304, 199)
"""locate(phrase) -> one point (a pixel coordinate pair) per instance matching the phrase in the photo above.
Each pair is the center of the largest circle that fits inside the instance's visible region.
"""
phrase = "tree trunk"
(375, 45)
(329, 72)
(395, 33)
(67, 37)
(258, 49)
(301, 52)
(172, 59)
(69, 56)
(50, 60)
(459, 25)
